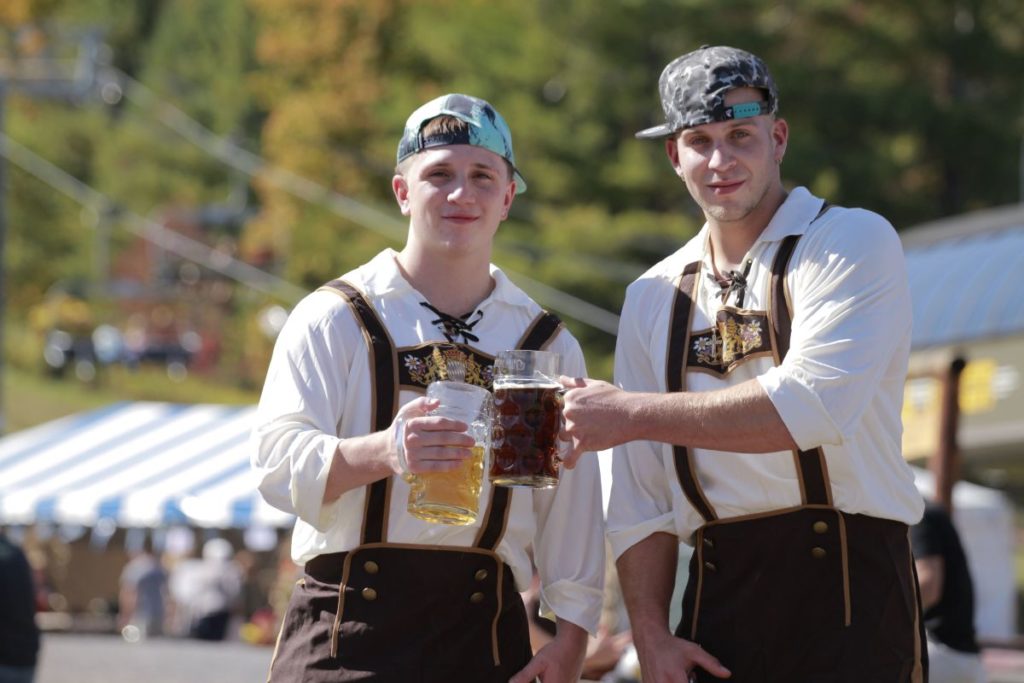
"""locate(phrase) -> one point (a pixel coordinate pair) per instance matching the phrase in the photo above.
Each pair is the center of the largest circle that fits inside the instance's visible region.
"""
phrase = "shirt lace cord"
(733, 281)
(452, 327)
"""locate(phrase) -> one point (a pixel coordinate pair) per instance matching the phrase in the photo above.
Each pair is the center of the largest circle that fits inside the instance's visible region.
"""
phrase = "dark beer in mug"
(524, 439)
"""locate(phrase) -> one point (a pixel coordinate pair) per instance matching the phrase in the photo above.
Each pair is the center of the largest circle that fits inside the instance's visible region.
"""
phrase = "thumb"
(572, 382)
(529, 673)
(417, 407)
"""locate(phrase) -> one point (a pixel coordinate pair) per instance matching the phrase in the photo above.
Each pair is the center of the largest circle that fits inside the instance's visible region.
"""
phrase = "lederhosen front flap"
(384, 364)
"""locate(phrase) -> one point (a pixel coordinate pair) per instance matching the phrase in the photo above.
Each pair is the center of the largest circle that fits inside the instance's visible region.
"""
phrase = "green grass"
(31, 398)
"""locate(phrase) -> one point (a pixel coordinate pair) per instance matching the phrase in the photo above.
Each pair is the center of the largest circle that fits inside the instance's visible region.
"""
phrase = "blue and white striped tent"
(137, 464)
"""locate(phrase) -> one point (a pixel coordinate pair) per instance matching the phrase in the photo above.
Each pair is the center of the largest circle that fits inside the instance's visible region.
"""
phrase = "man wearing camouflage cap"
(385, 596)
(757, 417)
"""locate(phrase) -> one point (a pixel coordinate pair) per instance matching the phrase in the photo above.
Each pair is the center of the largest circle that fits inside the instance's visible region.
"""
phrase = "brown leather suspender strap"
(781, 317)
(675, 380)
(812, 470)
(384, 366)
(815, 487)
(540, 333)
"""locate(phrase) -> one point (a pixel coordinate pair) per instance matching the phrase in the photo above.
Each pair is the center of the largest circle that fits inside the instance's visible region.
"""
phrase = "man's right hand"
(669, 659)
(422, 442)
(596, 416)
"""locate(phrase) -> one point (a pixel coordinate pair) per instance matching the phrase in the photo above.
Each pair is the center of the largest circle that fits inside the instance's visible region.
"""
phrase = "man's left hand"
(560, 661)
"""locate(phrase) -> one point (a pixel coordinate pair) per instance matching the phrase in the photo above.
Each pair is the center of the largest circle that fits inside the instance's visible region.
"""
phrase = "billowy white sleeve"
(569, 540)
(296, 431)
(851, 318)
(640, 502)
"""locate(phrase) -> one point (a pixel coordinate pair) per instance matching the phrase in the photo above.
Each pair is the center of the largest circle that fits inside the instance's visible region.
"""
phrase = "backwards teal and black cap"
(486, 129)
(693, 89)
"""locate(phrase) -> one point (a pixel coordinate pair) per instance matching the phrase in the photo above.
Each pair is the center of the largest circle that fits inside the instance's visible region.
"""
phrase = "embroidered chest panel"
(737, 336)
(420, 365)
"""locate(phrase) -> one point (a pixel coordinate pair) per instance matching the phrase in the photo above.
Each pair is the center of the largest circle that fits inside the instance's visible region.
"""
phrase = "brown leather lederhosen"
(403, 613)
(809, 594)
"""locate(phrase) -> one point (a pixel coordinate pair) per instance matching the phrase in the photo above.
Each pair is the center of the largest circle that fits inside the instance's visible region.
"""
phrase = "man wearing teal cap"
(385, 596)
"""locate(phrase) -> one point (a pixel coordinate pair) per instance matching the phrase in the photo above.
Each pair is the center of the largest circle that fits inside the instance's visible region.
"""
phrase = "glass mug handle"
(564, 440)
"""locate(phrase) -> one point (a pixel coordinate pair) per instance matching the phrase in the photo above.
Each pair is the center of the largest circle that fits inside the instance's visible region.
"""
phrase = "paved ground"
(75, 658)
(1004, 666)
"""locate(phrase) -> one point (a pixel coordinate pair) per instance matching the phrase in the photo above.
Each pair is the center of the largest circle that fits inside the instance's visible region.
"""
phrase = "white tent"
(136, 464)
(984, 519)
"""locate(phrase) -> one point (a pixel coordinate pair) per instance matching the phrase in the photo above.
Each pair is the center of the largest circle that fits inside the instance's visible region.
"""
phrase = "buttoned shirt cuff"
(625, 538)
(308, 493)
(573, 602)
(803, 413)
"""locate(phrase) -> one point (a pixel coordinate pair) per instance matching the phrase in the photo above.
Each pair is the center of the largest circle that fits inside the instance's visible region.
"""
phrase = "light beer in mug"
(453, 497)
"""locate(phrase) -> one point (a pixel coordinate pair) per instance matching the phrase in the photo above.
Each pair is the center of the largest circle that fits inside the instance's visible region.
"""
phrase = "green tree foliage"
(912, 109)
(49, 239)
(196, 59)
(322, 74)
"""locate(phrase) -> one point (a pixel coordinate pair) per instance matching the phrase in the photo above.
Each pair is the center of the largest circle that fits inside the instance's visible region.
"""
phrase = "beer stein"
(525, 448)
(453, 496)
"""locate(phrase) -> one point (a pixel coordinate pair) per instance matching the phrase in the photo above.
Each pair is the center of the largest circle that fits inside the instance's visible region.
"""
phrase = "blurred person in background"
(207, 591)
(947, 594)
(143, 595)
(385, 596)
(761, 370)
(19, 635)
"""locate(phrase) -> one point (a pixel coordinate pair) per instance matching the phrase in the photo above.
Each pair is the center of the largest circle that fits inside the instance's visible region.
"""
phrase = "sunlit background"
(175, 175)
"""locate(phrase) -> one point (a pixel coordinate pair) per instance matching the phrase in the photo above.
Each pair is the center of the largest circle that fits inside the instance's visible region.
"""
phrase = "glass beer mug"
(525, 448)
(453, 497)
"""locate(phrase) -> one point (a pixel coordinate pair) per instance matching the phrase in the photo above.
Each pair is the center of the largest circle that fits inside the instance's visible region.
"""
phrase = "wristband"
(403, 464)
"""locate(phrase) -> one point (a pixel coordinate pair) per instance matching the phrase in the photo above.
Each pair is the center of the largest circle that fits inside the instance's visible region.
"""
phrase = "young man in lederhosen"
(385, 596)
(761, 369)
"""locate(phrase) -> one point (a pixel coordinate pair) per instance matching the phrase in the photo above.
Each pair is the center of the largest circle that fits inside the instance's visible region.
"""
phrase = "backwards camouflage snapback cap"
(486, 129)
(693, 89)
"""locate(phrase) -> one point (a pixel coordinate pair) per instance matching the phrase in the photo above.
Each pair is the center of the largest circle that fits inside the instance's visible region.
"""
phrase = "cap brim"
(520, 182)
(662, 131)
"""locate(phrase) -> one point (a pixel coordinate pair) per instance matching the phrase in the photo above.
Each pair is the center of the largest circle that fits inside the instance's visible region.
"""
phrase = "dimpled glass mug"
(525, 448)
(453, 497)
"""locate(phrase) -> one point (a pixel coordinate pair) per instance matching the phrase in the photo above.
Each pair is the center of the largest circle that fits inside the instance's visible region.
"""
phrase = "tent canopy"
(965, 275)
(137, 464)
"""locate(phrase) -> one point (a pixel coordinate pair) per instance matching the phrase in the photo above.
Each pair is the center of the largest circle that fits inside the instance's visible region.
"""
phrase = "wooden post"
(945, 463)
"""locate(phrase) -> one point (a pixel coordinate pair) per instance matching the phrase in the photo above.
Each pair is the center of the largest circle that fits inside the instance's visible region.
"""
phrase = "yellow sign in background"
(981, 389)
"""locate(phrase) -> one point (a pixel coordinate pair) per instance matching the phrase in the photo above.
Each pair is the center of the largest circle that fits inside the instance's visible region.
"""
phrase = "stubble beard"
(733, 213)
